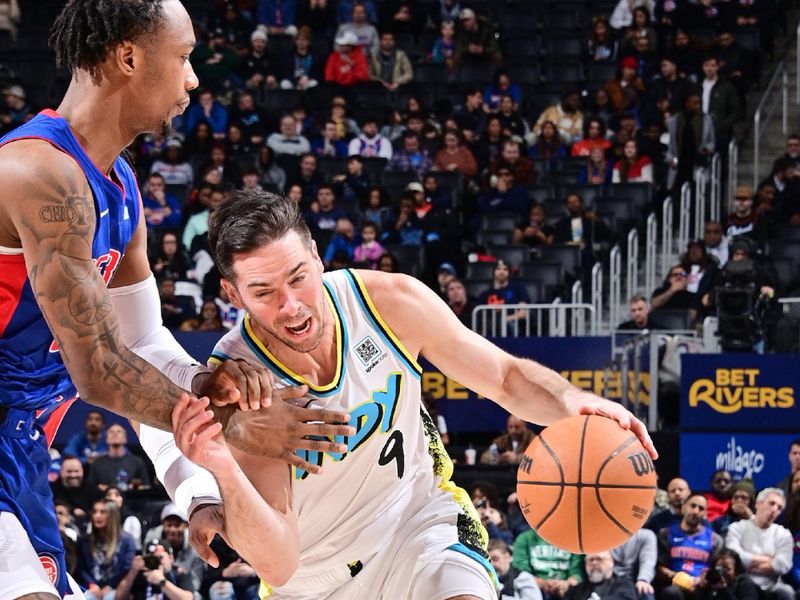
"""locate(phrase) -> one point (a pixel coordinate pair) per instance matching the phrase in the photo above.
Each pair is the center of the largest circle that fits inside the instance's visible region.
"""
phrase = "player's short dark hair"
(248, 220)
(85, 30)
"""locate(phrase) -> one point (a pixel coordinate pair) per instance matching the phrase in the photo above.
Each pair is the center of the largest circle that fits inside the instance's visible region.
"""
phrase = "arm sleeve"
(187, 484)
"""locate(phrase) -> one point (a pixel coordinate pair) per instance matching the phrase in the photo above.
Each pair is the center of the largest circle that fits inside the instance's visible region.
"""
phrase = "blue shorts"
(25, 491)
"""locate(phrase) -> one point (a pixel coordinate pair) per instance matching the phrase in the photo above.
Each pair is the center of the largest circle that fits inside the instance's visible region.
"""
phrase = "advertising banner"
(761, 457)
(739, 392)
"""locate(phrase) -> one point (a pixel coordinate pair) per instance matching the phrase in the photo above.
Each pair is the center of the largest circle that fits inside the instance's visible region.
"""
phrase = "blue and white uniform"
(382, 520)
(36, 389)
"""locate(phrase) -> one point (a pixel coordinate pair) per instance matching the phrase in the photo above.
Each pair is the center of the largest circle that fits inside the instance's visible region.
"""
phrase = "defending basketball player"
(383, 520)
(70, 228)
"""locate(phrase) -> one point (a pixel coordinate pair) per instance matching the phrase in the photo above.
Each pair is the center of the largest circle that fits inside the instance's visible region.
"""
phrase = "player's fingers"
(252, 397)
(265, 383)
(322, 415)
(298, 462)
(320, 445)
(179, 409)
(641, 432)
(182, 428)
(207, 434)
(200, 543)
(325, 430)
(291, 392)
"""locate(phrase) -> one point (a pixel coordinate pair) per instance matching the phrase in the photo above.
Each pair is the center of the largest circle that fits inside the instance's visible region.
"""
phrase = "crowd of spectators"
(403, 129)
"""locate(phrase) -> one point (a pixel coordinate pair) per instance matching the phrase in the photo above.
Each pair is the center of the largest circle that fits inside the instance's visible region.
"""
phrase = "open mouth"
(301, 329)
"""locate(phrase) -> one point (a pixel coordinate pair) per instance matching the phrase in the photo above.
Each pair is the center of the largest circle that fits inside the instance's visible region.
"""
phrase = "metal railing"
(764, 113)
(797, 72)
(578, 324)
(733, 173)
(597, 292)
(650, 252)
(501, 320)
(715, 200)
(684, 218)
(667, 212)
(632, 265)
(614, 286)
(701, 180)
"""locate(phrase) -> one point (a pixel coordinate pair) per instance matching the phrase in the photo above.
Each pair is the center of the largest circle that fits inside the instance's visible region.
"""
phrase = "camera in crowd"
(716, 575)
(154, 552)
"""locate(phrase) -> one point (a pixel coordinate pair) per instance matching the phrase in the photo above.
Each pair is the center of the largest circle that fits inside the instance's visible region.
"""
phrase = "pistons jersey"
(395, 473)
(33, 373)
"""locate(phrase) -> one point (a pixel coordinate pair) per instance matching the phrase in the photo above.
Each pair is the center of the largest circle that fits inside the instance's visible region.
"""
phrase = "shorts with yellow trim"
(429, 564)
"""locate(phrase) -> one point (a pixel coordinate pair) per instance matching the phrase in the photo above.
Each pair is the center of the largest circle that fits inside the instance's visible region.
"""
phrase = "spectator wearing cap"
(153, 575)
(302, 67)
(455, 156)
(277, 16)
(567, 116)
(475, 38)
(209, 110)
(389, 65)
(346, 65)
(288, 141)
(174, 531)
(444, 275)
(172, 166)
(259, 70)
(216, 64)
(411, 158)
(366, 35)
(369, 143)
(720, 101)
(17, 110)
(627, 79)
(161, 209)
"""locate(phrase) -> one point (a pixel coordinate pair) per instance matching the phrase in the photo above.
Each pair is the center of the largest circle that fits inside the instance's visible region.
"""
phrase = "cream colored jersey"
(395, 475)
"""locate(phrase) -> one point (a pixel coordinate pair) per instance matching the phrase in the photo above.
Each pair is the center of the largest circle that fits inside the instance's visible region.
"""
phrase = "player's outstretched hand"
(281, 429)
(205, 522)
(238, 382)
(590, 404)
(197, 437)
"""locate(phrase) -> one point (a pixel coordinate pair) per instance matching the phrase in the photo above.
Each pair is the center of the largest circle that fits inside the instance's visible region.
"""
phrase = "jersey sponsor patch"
(368, 351)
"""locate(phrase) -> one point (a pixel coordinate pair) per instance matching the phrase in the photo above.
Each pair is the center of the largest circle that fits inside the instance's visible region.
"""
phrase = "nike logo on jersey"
(103, 213)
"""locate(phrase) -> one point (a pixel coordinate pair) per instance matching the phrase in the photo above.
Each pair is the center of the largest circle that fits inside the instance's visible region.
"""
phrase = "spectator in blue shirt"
(209, 110)
(324, 213)
(411, 157)
(343, 242)
(329, 143)
(503, 197)
(278, 16)
(344, 10)
(161, 210)
(501, 86)
(91, 442)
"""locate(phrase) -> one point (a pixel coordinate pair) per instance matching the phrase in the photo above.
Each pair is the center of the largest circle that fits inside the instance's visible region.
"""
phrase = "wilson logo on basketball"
(50, 566)
(525, 464)
(642, 464)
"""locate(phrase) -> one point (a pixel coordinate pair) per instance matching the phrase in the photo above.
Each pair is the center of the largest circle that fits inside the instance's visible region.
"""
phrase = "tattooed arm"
(48, 210)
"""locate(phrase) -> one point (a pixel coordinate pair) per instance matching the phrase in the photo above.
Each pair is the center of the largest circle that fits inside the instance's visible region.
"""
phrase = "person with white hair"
(764, 546)
(601, 581)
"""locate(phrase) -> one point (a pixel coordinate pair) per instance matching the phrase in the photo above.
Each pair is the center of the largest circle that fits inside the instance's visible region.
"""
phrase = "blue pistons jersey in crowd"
(36, 389)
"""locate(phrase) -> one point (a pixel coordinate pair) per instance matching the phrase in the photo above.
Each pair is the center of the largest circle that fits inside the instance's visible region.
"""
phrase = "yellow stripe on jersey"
(264, 590)
(471, 531)
(386, 329)
(286, 370)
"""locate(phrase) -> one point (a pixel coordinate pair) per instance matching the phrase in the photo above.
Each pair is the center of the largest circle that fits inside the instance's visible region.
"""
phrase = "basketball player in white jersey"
(383, 520)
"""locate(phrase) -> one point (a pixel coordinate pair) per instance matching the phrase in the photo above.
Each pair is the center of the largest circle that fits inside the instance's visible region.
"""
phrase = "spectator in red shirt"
(594, 136)
(347, 64)
(719, 498)
(632, 167)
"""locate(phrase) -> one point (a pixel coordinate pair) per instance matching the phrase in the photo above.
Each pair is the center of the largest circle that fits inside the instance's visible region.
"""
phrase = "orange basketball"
(586, 484)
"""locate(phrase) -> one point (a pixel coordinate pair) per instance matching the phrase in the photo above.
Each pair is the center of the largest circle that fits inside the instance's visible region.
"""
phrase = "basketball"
(585, 484)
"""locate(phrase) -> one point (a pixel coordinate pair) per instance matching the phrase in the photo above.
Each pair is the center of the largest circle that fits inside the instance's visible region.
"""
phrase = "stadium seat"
(562, 46)
(512, 21)
(375, 167)
(533, 287)
(330, 166)
(563, 71)
(786, 270)
(550, 273)
(569, 255)
(411, 258)
(639, 193)
(495, 237)
(588, 193)
(522, 49)
(472, 73)
(181, 192)
(528, 73)
(788, 232)
(677, 319)
(785, 249)
(499, 221)
(476, 286)
(397, 179)
(540, 193)
(511, 255)
(480, 270)
(430, 73)
(281, 101)
(623, 208)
